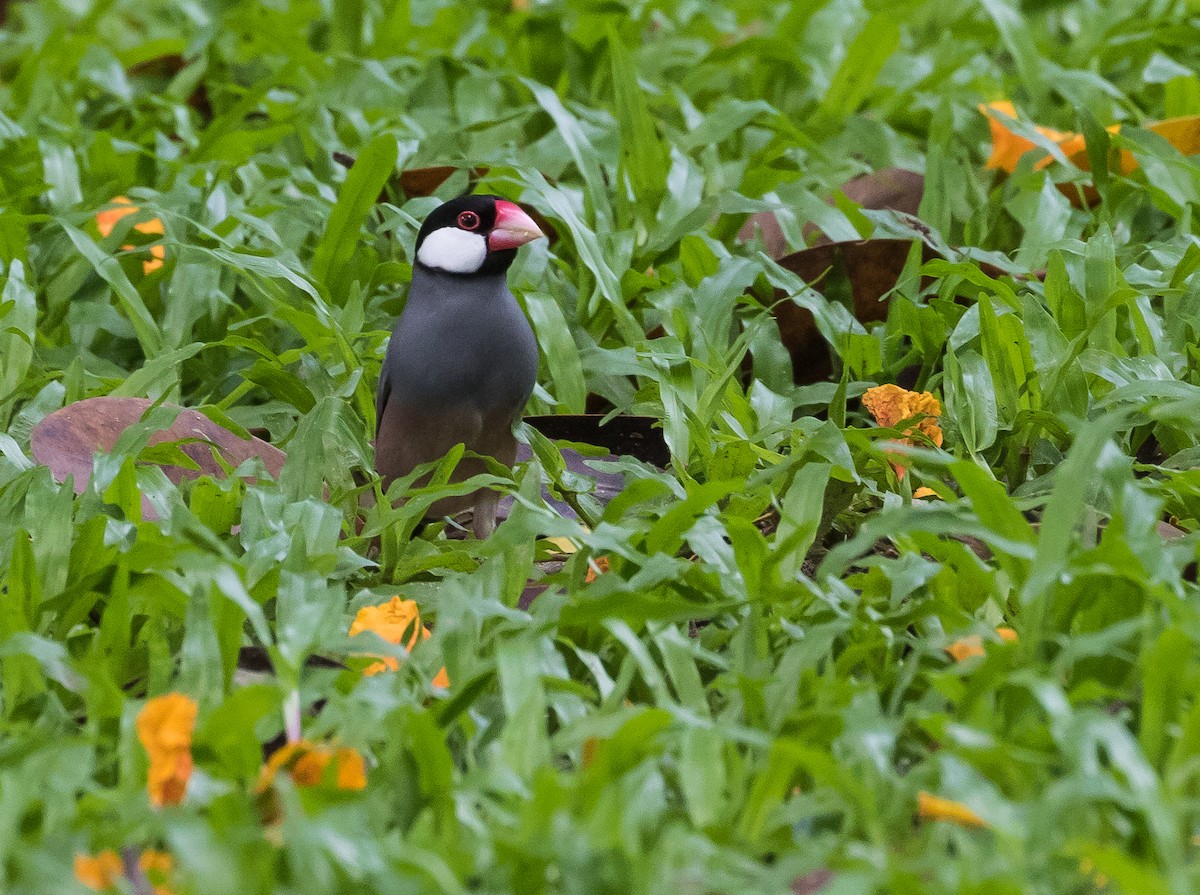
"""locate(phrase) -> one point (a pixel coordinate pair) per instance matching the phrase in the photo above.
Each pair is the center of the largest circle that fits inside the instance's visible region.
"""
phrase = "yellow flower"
(931, 807)
(924, 492)
(106, 221)
(306, 763)
(165, 728)
(103, 872)
(391, 621)
(1007, 148)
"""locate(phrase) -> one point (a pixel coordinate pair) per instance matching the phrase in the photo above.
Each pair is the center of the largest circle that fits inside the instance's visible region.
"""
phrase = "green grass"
(758, 703)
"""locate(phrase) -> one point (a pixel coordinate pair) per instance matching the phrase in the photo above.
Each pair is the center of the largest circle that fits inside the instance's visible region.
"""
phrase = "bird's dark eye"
(468, 220)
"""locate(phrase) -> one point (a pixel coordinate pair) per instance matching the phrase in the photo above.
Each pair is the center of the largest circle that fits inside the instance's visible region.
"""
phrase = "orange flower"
(598, 567)
(966, 648)
(165, 728)
(972, 645)
(1007, 147)
(157, 865)
(891, 405)
(931, 807)
(102, 872)
(391, 620)
(106, 221)
(306, 763)
(587, 752)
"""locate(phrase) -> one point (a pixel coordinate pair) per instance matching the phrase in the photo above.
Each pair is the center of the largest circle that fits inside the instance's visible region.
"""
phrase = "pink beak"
(513, 227)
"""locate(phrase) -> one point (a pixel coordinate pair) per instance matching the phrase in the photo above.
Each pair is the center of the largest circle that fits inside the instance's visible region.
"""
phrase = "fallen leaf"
(640, 437)
(888, 189)
(529, 593)
(67, 439)
(419, 182)
(867, 269)
(812, 882)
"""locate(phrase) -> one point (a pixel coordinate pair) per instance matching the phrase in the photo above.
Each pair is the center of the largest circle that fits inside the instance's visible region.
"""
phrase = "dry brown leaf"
(67, 439)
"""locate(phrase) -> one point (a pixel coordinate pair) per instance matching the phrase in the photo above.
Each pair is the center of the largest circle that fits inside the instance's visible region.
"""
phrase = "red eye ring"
(468, 220)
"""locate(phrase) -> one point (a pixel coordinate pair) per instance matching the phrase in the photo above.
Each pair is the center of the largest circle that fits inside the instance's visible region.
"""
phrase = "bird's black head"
(474, 235)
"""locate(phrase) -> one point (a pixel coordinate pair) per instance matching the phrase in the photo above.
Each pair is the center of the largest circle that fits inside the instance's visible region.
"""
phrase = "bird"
(463, 359)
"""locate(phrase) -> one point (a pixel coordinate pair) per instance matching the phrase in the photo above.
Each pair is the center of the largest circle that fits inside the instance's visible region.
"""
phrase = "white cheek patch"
(453, 250)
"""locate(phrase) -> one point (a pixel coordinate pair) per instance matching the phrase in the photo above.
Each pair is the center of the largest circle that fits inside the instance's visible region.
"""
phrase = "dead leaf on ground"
(812, 882)
(621, 436)
(422, 182)
(67, 439)
(868, 270)
(632, 436)
(862, 271)
(889, 189)
(418, 182)
(1168, 531)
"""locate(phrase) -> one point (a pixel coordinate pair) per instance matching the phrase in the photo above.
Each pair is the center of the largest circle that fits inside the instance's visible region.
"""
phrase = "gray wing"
(383, 391)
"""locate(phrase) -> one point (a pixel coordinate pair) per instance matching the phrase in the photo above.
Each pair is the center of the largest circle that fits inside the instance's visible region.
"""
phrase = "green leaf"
(559, 350)
(18, 322)
(148, 333)
(357, 197)
(643, 160)
(864, 59)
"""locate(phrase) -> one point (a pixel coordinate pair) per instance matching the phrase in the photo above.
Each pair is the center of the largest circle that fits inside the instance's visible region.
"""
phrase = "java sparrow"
(463, 359)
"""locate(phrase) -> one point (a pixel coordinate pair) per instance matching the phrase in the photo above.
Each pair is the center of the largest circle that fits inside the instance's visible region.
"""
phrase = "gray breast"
(460, 340)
